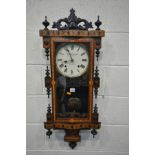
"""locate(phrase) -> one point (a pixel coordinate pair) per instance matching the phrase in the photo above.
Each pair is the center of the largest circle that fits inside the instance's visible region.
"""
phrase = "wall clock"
(72, 80)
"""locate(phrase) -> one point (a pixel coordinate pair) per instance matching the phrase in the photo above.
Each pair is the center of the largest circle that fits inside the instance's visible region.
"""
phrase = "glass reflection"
(72, 97)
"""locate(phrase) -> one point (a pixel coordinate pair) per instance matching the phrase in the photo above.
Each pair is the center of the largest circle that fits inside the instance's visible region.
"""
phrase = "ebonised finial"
(95, 109)
(94, 132)
(95, 116)
(96, 72)
(47, 53)
(96, 80)
(49, 133)
(47, 71)
(45, 22)
(72, 144)
(98, 23)
(47, 77)
(49, 109)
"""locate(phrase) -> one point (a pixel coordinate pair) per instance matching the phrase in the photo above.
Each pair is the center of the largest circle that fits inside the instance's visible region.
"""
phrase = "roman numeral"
(84, 59)
(65, 70)
(72, 47)
(78, 49)
(71, 71)
(61, 53)
(66, 49)
(82, 54)
(59, 59)
(82, 66)
(61, 65)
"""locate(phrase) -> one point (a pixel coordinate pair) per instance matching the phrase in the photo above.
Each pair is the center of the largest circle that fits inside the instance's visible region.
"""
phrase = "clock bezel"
(91, 48)
(87, 51)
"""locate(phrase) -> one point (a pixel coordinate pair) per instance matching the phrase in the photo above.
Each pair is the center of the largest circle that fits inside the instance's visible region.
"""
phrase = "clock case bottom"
(72, 129)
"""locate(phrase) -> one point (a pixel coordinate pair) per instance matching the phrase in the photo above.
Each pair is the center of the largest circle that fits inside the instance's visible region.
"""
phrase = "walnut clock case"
(72, 79)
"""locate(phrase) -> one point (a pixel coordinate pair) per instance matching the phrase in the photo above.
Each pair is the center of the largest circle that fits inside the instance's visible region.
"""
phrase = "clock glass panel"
(72, 76)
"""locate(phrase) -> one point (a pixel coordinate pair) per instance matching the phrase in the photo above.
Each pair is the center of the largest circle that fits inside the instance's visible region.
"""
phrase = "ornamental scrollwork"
(72, 22)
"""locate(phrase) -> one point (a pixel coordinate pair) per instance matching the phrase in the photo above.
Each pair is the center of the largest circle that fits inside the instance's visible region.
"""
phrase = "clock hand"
(69, 54)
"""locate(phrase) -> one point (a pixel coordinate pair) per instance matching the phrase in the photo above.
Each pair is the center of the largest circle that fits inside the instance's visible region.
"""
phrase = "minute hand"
(70, 55)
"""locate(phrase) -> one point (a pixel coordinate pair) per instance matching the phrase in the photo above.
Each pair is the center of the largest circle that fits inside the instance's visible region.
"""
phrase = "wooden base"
(72, 130)
(72, 136)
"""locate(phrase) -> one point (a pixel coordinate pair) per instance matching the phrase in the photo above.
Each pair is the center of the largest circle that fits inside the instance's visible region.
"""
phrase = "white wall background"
(112, 138)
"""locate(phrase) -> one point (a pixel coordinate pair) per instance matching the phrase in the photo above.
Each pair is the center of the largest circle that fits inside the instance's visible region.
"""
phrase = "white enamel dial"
(72, 59)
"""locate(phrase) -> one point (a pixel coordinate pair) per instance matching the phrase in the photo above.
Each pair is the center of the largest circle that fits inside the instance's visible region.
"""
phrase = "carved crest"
(72, 22)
